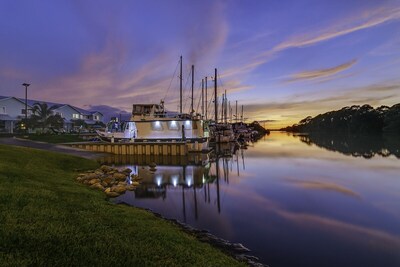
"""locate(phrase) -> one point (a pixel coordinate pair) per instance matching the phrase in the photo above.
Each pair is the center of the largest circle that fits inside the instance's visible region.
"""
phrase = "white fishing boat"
(150, 123)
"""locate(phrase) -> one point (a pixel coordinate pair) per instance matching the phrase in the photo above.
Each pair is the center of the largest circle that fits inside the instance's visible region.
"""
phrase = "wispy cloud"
(367, 19)
(321, 73)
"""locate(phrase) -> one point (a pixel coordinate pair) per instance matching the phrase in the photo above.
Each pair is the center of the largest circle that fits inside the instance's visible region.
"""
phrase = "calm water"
(293, 200)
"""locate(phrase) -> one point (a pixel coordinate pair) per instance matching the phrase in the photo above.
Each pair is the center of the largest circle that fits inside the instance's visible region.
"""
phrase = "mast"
(215, 97)
(202, 98)
(222, 108)
(241, 118)
(226, 108)
(206, 100)
(180, 87)
(191, 106)
(236, 115)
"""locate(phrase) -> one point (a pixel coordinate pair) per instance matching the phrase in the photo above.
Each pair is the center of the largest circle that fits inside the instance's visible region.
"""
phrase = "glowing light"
(189, 180)
(173, 123)
(158, 124)
(187, 123)
(159, 179)
(175, 180)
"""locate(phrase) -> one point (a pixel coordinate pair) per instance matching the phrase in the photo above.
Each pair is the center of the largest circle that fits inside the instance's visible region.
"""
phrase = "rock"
(137, 178)
(127, 171)
(152, 165)
(109, 180)
(97, 186)
(108, 189)
(119, 176)
(94, 181)
(135, 183)
(89, 176)
(121, 184)
(130, 187)
(104, 184)
(98, 172)
(112, 194)
(118, 189)
(105, 168)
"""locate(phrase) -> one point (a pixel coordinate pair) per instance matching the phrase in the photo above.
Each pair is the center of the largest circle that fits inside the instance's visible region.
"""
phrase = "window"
(173, 125)
(59, 113)
(75, 116)
(156, 126)
(3, 110)
(23, 111)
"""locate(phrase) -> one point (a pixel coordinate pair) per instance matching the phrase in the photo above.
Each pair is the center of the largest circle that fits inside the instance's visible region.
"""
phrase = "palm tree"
(44, 116)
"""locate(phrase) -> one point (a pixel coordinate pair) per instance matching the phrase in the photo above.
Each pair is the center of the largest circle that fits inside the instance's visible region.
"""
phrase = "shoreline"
(236, 250)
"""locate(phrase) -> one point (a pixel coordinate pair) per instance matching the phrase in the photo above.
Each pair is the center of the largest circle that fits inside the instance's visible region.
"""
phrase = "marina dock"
(174, 148)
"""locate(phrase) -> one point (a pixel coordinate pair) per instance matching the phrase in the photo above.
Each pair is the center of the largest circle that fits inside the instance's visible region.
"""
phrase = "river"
(293, 200)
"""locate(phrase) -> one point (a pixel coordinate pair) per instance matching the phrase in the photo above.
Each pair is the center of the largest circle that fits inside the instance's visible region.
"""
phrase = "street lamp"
(26, 102)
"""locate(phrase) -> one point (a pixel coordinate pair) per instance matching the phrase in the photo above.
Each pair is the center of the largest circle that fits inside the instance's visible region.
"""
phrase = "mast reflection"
(189, 177)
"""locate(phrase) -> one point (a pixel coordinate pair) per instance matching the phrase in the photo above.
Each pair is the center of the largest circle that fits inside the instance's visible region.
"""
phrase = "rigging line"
(198, 103)
(184, 91)
(170, 83)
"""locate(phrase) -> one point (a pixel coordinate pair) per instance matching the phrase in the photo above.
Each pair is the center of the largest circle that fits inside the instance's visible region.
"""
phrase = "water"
(293, 200)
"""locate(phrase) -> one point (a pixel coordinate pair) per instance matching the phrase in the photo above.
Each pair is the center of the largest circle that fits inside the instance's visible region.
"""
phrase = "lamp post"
(26, 104)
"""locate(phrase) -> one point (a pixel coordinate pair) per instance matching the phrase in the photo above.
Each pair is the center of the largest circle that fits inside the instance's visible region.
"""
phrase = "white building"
(12, 110)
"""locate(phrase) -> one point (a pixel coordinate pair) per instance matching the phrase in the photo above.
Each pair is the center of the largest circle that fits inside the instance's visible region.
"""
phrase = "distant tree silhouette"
(355, 120)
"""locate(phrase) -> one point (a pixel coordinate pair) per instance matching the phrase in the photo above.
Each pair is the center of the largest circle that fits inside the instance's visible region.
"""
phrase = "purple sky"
(283, 60)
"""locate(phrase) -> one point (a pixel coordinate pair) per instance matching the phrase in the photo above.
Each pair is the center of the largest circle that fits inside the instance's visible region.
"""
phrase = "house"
(12, 110)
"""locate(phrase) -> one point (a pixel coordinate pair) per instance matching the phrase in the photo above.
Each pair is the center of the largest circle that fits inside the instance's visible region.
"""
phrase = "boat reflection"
(180, 183)
(357, 146)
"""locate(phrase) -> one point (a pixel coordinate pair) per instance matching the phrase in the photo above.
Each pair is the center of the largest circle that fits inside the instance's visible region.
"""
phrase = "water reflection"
(357, 146)
(291, 203)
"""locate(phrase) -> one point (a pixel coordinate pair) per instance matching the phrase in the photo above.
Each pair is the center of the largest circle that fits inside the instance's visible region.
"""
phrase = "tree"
(44, 117)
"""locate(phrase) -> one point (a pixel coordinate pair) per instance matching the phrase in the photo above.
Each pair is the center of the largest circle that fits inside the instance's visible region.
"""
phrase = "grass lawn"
(55, 139)
(46, 218)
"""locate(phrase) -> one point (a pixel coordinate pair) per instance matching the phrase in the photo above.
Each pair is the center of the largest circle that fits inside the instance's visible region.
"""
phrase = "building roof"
(5, 117)
(32, 102)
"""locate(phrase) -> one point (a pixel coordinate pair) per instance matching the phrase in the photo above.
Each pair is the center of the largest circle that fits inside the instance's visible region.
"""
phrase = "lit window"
(156, 126)
(173, 125)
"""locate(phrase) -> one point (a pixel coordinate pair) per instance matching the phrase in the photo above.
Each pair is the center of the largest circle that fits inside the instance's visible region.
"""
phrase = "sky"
(281, 60)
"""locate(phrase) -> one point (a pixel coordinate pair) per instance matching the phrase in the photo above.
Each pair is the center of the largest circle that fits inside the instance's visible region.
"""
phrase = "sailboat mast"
(191, 106)
(215, 97)
(226, 108)
(180, 87)
(236, 114)
(202, 98)
(241, 118)
(206, 101)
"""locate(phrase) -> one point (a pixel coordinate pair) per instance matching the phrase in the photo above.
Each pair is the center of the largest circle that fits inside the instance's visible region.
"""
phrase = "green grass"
(55, 139)
(46, 218)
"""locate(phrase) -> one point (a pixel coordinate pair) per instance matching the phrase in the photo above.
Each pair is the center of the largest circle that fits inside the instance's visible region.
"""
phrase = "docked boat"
(151, 123)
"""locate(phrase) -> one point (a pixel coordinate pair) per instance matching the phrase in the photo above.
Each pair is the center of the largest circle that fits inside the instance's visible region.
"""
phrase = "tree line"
(353, 120)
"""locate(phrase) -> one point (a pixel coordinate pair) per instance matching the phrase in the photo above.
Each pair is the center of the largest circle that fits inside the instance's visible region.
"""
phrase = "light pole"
(26, 105)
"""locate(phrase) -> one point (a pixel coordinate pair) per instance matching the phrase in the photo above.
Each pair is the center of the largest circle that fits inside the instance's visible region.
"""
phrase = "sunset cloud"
(367, 19)
(321, 73)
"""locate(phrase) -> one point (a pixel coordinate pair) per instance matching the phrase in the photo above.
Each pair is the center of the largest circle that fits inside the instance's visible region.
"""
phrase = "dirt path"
(51, 147)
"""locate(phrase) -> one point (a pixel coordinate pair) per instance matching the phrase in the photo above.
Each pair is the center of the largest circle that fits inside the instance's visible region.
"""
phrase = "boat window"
(173, 125)
(156, 126)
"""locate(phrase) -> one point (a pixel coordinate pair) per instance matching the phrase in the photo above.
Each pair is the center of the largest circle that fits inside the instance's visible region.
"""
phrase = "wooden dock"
(178, 148)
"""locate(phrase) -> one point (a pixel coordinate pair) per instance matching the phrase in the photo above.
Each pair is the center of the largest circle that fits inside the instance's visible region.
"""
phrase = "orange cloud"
(322, 73)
